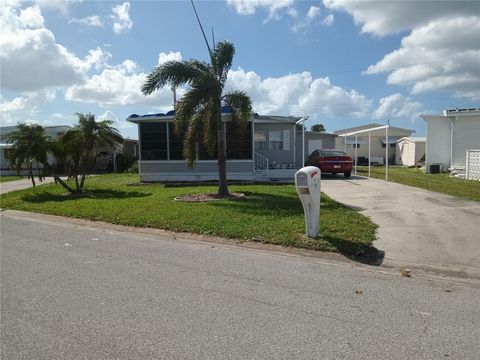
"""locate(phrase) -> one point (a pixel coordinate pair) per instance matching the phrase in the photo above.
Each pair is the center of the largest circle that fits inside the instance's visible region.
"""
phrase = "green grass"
(268, 213)
(443, 183)
(6, 178)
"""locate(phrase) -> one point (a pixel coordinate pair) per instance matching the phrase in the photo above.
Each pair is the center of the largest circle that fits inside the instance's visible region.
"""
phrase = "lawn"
(5, 178)
(442, 183)
(268, 213)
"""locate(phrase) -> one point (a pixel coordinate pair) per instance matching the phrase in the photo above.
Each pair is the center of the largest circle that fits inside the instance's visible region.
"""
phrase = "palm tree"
(78, 146)
(30, 145)
(198, 113)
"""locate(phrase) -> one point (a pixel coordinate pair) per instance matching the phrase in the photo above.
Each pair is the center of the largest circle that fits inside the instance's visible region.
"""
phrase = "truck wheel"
(347, 175)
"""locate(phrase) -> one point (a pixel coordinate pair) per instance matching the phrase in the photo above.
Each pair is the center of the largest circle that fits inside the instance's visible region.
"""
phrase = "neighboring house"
(269, 148)
(358, 145)
(410, 151)
(106, 156)
(449, 136)
(318, 140)
(6, 148)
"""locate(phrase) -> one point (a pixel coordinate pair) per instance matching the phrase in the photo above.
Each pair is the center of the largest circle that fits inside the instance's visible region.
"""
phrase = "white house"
(371, 142)
(410, 151)
(449, 136)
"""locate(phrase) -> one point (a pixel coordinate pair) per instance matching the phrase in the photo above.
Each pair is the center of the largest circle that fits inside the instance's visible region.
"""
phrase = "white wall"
(438, 142)
(466, 135)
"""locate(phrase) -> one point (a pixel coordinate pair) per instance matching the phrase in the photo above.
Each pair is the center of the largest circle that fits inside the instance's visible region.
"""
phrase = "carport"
(369, 131)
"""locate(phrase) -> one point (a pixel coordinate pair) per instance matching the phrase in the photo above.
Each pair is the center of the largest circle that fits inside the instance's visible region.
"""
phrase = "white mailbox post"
(307, 182)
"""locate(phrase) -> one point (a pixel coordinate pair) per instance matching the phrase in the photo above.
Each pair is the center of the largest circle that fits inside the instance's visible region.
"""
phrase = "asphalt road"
(81, 292)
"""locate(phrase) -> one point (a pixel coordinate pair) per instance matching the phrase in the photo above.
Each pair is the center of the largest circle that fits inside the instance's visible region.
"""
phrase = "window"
(238, 141)
(153, 141)
(353, 146)
(260, 140)
(175, 143)
(393, 145)
(275, 139)
(7, 153)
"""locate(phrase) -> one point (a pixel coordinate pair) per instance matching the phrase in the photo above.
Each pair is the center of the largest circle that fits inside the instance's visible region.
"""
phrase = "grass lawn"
(442, 183)
(268, 213)
(5, 178)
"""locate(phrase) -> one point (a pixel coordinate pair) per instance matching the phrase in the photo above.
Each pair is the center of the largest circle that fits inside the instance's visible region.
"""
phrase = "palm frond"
(240, 103)
(174, 73)
(223, 54)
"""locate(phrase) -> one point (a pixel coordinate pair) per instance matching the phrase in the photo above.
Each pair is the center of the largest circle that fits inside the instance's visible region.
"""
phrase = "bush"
(134, 168)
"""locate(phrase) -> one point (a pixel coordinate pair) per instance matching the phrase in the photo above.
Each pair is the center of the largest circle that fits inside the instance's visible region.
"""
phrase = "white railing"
(472, 165)
(261, 162)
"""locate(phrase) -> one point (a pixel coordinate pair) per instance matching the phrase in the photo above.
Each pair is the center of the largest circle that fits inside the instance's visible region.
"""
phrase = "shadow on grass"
(90, 194)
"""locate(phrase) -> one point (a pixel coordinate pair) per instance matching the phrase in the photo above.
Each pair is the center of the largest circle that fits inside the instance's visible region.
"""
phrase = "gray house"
(269, 148)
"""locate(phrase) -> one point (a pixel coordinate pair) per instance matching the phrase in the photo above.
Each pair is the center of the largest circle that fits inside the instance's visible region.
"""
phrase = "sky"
(344, 63)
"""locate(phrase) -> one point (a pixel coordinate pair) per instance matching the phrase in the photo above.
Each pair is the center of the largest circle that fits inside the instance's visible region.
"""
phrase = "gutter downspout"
(452, 130)
(302, 120)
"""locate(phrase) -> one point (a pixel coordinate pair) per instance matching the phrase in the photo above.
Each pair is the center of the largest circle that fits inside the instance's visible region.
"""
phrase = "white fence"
(473, 165)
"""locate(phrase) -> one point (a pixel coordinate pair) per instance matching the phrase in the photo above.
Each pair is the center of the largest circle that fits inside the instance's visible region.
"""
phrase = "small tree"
(30, 145)
(317, 128)
(198, 113)
(77, 147)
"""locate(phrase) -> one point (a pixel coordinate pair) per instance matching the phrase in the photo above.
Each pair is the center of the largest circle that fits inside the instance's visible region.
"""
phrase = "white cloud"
(32, 59)
(249, 7)
(93, 21)
(328, 20)
(119, 124)
(397, 106)
(388, 17)
(298, 94)
(20, 107)
(121, 18)
(119, 86)
(313, 12)
(442, 55)
(164, 57)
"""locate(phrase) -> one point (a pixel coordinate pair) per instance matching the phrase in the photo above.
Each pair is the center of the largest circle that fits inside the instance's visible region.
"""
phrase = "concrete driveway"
(417, 228)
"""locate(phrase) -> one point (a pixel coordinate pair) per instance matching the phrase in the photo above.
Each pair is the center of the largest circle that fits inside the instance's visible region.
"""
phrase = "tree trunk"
(30, 173)
(222, 158)
(57, 178)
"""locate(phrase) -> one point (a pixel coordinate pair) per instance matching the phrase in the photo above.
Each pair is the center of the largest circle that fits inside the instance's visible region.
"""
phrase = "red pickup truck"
(331, 161)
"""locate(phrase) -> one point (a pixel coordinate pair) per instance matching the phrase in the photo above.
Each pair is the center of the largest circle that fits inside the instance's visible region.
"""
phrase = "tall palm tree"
(79, 146)
(198, 113)
(30, 145)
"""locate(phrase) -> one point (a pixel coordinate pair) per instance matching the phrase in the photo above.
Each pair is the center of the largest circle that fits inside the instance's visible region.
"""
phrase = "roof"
(369, 126)
(308, 132)
(414, 139)
(134, 118)
(449, 114)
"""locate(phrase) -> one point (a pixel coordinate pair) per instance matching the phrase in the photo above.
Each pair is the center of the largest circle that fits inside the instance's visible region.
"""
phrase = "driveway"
(417, 228)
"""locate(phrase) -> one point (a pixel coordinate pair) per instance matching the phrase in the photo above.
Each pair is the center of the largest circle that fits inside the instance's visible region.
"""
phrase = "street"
(71, 291)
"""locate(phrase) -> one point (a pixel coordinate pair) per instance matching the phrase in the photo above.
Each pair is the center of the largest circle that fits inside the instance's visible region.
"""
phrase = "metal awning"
(391, 139)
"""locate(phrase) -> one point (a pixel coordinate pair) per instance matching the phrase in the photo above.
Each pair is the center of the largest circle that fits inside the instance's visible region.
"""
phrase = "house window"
(175, 143)
(153, 141)
(275, 140)
(393, 145)
(7, 153)
(260, 140)
(238, 141)
(354, 146)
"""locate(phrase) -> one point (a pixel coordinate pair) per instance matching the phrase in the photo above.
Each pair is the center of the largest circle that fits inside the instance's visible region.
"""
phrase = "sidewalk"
(21, 184)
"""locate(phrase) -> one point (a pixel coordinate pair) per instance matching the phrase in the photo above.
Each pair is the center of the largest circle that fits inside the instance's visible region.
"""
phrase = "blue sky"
(344, 63)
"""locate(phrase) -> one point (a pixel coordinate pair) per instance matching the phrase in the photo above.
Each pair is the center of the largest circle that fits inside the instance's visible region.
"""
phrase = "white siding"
(466, 135)
(202, 171)
(438, 142)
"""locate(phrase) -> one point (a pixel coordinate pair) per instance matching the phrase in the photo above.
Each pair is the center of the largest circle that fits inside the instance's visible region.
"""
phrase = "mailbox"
(307, 182)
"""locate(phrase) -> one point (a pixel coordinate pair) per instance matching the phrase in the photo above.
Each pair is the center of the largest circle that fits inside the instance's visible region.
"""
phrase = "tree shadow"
(99, 194)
